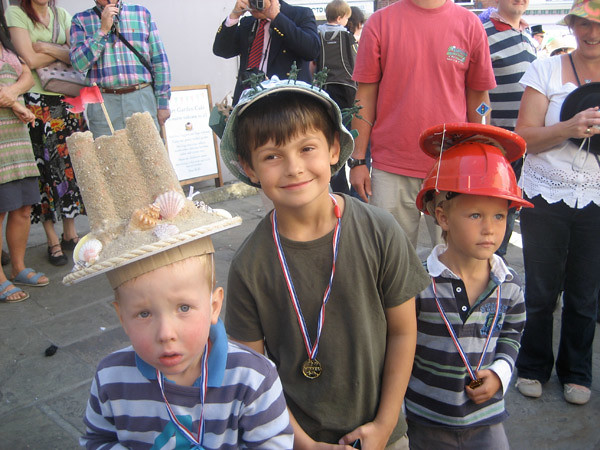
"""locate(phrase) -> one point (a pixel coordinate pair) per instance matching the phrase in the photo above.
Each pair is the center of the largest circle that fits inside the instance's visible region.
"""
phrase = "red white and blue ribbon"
(195, 441)
(457, 344)
(311, 349)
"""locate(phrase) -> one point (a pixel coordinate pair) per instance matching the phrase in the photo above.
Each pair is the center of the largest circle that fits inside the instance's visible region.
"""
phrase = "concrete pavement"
(42, 399)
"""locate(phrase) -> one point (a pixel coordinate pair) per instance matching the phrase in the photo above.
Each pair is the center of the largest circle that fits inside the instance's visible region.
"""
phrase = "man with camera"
(270, 40)
(128, 62)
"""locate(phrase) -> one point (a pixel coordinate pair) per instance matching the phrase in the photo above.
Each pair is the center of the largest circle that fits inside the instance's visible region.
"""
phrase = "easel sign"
(191, 144)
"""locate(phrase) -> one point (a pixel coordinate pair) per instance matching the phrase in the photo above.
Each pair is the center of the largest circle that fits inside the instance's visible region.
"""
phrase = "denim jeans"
(561, 251)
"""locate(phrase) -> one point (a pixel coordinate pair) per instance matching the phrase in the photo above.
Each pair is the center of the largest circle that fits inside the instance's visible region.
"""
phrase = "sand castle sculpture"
(134, 201)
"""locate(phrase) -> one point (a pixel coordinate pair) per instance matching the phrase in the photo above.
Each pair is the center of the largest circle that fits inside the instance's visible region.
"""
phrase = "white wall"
(187, 28)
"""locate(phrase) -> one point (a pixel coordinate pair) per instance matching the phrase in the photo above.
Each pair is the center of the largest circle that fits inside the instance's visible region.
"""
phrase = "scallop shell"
(90, 251)
(165, 230)
(87, 251)
(145, 218)
(170, 204)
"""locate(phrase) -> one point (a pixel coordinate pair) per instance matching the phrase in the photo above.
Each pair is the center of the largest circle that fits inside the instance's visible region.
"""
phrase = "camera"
(258, 5)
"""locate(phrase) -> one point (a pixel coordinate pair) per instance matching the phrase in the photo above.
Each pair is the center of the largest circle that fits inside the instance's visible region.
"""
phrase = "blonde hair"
(337, 8)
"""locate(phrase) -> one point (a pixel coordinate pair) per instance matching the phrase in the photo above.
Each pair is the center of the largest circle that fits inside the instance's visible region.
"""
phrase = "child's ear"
(216, 304)
(442, 218)
(334, 151)
(119, 314)
(250, 172)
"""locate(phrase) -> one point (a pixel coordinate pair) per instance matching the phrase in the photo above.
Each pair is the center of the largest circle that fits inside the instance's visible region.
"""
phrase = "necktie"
(255, 54)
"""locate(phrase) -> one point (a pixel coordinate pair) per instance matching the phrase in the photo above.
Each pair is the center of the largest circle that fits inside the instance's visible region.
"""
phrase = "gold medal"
(311, 368)
(476, 383)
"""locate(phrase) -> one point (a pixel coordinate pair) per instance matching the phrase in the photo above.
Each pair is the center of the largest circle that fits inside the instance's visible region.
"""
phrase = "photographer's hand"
(273, 10)
(107, 18)
(241, 6)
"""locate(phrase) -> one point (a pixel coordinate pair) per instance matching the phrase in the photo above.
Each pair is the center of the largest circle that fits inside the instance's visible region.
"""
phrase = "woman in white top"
(561, 235)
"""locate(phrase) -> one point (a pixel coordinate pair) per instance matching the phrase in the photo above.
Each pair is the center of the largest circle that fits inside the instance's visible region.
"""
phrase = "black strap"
(141, 57)
(574, 70)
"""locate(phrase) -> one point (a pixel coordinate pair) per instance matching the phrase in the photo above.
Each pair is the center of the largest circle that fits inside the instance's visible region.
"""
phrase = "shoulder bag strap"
(143, 60)
(55, 25)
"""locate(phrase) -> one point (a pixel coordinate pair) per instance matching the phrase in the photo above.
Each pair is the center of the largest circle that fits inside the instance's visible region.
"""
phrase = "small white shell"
(89, 251)
(170, 204)
(165, 230)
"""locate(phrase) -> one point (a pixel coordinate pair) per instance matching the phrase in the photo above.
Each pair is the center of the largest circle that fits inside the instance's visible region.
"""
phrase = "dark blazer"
(294, 37)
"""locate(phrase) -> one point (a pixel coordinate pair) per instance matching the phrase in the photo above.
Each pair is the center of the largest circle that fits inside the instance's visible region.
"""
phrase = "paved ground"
(42, 399)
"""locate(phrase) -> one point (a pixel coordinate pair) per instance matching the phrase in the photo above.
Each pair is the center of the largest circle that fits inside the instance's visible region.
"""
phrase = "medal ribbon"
(195, 442)
(311, 349)
(457, 344)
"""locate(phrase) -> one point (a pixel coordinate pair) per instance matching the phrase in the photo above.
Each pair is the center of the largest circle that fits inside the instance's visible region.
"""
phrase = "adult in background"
(18, 171)
(419, 63)
(30, 26)
(269, 41)
(561, 244)
(356, 22)
(512, 50)
(129, 83)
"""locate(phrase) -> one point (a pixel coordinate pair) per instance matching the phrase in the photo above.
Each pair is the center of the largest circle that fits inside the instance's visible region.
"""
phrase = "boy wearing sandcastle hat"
(325, 283)
(181, 384)
(471, 317)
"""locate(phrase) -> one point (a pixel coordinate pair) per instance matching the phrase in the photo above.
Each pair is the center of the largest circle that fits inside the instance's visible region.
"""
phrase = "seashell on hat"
(139, 217)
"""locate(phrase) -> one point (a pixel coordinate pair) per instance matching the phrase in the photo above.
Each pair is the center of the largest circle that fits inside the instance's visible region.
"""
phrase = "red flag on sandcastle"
(86, 95)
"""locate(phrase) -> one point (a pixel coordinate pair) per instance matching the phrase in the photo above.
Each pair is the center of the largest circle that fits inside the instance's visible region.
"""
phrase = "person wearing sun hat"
(342, 334)
(456, 390)
(181, 383)
(561, 177)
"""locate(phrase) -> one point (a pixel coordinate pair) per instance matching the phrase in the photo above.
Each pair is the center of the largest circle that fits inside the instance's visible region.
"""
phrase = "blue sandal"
(5, 294)
(23, 280)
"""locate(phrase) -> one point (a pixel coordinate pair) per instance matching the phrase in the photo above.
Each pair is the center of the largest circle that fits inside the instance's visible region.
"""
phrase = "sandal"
(56, 256)
(23, 279)
(68, 244)
(5, 293)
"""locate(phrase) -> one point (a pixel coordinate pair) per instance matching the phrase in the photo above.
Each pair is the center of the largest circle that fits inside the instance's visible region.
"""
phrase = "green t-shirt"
(377, 268)
(16, 17)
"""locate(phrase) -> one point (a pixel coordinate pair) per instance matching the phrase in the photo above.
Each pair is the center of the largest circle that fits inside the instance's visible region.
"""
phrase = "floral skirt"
(60, 196)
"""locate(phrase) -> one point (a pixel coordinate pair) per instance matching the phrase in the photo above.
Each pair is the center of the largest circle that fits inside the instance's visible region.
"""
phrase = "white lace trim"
(576, 188)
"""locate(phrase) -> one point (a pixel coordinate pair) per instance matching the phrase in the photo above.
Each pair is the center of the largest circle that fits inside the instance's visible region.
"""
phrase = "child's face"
(298, 172)
(167, 315)
(475, 224)
(343, 20)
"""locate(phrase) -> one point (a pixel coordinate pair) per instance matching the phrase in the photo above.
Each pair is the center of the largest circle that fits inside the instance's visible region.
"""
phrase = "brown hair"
(28, 8)
(357, 18)
(335, 9)
(279, 117)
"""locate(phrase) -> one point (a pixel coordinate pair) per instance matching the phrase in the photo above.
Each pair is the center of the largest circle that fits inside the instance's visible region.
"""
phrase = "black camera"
(258, 5)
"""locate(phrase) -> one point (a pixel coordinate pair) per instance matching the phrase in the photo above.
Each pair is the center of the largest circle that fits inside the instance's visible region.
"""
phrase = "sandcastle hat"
(272, 87)
(140, 219)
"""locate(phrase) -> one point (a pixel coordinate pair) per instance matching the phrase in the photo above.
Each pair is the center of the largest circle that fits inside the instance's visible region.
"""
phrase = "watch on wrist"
(352, 163)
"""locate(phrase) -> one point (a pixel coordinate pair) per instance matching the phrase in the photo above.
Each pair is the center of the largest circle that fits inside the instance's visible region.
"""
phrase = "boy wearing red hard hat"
(471, 317)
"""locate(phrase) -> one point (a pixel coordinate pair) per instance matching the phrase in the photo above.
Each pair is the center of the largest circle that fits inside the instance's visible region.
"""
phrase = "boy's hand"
(491, 384)
(372, 436)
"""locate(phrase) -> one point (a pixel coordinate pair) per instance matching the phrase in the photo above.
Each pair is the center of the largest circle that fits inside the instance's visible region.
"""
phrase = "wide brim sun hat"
(271, 87)
(580, 99)
(471, 159)
(587, 9)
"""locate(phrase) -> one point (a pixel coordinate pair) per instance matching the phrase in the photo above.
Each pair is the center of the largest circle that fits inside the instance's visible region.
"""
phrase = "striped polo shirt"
(436, 391)
(512, 51)
(244, 404)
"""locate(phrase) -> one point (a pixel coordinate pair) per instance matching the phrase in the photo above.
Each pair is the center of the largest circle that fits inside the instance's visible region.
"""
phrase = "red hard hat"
(473, 168)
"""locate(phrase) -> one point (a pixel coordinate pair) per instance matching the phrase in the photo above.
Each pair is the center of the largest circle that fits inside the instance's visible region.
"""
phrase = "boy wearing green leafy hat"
(325, 284)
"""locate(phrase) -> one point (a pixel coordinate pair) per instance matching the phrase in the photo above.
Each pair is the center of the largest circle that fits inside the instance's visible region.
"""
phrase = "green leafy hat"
(229, 151)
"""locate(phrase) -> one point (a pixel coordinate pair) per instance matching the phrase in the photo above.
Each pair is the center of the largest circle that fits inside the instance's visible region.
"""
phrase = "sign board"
(191, 144)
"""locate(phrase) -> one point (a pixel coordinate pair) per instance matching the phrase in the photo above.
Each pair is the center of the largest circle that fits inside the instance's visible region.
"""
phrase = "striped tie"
(257, 46)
